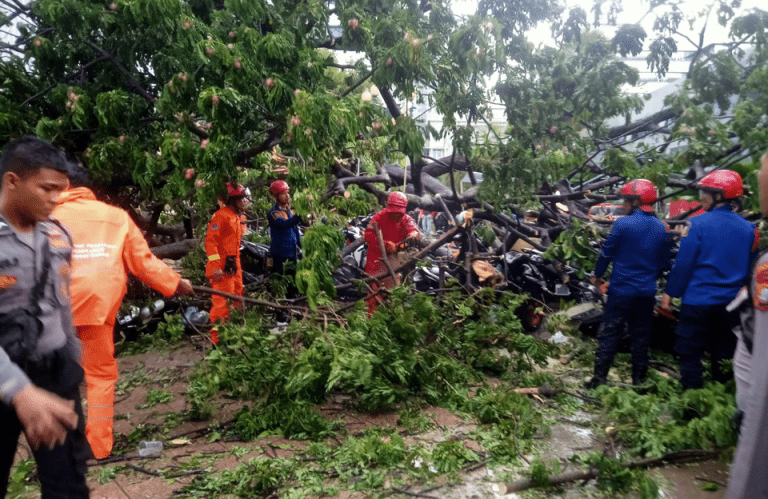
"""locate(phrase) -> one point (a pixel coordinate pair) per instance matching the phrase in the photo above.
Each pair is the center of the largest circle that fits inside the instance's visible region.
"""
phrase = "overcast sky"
(633, 10)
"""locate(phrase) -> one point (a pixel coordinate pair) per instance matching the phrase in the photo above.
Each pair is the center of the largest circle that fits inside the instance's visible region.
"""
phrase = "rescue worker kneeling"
(639, 247)
(222, 245)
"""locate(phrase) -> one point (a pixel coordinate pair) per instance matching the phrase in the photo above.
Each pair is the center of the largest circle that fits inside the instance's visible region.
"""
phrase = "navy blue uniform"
(710, 269)
(639, 247)
(286, 238)
(284, 231)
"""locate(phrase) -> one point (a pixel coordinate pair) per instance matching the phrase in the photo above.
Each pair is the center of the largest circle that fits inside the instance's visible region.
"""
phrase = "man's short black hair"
(78, 176)
(29, 155)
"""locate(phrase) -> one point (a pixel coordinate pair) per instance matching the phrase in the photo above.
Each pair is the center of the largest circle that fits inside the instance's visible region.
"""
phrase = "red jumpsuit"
(395, 228)
(223, 240)
(106, 244)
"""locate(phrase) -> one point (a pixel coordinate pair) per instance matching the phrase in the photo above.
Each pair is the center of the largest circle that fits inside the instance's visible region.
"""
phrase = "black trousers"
(62, 470)
(700, 329)
(279, 267)
(636, 313)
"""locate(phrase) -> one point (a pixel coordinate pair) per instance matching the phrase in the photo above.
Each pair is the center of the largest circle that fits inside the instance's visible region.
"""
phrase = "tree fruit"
(113, 6)
(121, 139)
(353, 23)
(189, 173)
(215, 100)
(270, 83)
(366, 96)
(238, 64)
(376, 126)
(295, 121)
(389, 61)
(204, 143)
(553, 129)
(231, 34)
(199, 183)
(210, 51)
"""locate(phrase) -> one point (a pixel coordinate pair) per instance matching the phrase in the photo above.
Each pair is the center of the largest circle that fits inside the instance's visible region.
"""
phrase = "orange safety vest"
(106, 243)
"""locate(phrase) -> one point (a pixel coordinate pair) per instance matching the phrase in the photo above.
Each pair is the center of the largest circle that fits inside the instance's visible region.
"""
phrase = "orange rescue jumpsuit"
(222, 240)
(106, 243)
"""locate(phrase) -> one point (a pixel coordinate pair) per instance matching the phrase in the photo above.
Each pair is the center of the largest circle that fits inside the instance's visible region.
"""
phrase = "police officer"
(222, 245)
(639, 247)
(711, 266)
(39, 351)
(748, 479)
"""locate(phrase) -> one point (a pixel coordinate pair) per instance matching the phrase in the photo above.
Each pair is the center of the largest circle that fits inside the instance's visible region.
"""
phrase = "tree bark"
(174, 251)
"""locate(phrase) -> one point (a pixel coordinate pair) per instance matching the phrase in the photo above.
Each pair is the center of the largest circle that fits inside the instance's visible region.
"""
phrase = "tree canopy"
(145, 91)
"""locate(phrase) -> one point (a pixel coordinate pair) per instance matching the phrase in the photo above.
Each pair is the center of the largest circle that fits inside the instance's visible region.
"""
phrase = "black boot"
(594, 383)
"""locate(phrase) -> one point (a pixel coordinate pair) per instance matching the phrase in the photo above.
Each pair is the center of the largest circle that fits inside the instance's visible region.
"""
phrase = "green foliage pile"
(667, 419)
(321, 244)
(411, 350)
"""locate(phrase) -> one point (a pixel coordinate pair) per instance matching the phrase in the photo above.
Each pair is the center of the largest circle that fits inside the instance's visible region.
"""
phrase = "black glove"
(230, 265)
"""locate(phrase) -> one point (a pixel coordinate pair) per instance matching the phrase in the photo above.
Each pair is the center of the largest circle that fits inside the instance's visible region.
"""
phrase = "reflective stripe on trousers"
(100, 369)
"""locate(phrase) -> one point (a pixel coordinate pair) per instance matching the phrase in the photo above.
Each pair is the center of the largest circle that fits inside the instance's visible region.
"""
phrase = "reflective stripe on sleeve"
(213, 258)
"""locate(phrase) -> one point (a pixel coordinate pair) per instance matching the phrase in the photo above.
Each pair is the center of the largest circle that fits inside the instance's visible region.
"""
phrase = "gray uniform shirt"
(20, 265)
(749, 476)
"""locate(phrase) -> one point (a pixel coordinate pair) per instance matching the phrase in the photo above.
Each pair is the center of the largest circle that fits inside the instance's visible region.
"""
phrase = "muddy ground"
(191, 448)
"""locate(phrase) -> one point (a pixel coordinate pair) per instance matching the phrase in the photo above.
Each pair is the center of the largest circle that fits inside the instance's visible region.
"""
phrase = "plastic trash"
(150, 448)
(559, 337)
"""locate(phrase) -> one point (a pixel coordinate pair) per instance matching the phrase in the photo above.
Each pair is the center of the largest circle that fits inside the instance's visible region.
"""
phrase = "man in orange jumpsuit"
(106, 243)
(396, 227)
(222, 245)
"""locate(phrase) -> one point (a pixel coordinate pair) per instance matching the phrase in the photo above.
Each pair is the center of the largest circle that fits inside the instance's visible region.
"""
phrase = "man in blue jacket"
(713, 263)
(639, 248)
(284, 232)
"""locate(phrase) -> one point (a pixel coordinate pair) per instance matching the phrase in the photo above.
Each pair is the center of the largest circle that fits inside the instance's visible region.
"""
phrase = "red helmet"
(640, 189)
(235, 190)
(727, 182)
(277, 187)
(397, 201)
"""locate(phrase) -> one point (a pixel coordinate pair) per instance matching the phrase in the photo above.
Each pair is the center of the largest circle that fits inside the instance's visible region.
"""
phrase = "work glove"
(230, 265)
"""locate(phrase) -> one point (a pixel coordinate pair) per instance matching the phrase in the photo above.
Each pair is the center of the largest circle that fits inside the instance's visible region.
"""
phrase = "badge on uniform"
(215, 227)
(760, 296)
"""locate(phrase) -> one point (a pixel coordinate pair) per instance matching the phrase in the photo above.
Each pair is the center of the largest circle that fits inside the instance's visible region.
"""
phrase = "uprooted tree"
(164, 100)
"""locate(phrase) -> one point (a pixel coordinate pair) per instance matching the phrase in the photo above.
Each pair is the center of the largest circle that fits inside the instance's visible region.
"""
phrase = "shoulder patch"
(56, 236)
(215, 227)
(6, 281)
(760, 296)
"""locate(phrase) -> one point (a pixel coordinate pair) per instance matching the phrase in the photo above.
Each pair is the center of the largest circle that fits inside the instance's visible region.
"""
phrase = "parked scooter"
(546, 282)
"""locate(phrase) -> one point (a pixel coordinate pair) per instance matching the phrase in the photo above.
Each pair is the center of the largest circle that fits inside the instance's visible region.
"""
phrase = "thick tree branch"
(131, 80)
